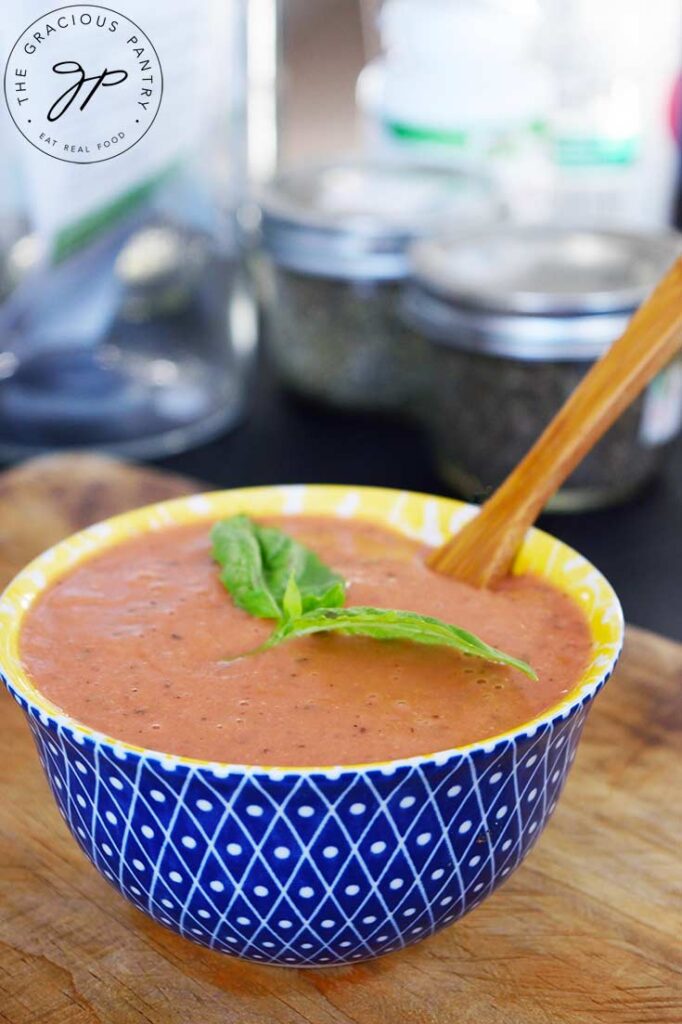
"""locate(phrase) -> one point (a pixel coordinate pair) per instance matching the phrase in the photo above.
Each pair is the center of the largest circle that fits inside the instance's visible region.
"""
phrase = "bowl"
(320, 865)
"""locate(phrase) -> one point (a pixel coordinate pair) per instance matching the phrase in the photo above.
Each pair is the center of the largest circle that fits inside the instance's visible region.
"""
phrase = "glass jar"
(334, 244)
(515, 318)
(127, 320)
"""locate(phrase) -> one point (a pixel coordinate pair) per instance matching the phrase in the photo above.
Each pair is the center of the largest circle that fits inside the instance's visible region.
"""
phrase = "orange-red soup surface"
(136, 643)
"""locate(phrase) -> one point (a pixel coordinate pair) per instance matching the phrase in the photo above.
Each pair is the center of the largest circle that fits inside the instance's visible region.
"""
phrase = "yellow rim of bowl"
(423, 517)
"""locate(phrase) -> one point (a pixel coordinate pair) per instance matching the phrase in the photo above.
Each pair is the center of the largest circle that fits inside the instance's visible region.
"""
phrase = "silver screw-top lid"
(534, 292)
(356, 219)
(545, 270)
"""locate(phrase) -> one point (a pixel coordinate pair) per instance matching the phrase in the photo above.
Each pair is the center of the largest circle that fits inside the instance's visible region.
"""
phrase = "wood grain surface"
(46, 499)
(587, 930)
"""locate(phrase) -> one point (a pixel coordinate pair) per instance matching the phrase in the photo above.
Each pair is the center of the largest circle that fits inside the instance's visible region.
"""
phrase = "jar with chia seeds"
(515, 317)
(334, 257)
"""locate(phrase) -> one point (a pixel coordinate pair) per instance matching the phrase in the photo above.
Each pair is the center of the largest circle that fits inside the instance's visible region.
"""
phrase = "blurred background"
(372, 242)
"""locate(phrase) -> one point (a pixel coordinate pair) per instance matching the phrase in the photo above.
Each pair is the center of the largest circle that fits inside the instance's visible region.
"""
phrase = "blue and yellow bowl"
(310, 866)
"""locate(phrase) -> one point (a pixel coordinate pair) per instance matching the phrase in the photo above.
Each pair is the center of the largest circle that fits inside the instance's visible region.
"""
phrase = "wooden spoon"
(484, 550)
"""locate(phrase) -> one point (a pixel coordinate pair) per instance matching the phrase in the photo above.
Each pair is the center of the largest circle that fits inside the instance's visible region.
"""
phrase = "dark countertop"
(638, 546)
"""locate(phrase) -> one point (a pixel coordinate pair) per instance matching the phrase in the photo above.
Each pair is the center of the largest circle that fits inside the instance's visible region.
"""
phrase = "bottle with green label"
(463, 84)
(610, 141)
(125, 316)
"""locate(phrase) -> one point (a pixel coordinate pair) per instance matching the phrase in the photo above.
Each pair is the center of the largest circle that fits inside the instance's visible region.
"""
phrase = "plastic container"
(515, 318)
(611, 139)
(334, 242)
(462, 84)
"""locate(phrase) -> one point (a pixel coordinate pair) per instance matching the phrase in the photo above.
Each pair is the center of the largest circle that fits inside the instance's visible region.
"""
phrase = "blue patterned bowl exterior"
(307, 867)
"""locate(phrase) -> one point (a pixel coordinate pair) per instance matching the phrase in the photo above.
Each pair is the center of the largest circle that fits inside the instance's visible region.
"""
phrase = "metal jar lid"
(356, 219)
(534, 292)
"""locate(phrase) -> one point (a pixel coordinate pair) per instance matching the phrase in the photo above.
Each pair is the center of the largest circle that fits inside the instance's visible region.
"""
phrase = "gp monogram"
(83, 83)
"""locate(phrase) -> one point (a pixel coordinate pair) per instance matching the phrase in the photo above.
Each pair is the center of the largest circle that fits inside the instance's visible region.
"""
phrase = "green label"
(413, 133)
(595, 151)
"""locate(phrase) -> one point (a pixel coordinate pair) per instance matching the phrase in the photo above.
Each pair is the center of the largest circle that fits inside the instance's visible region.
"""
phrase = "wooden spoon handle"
(484, 550)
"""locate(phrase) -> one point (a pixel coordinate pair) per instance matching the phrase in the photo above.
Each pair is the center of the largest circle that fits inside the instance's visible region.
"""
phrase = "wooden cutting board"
(588, 931)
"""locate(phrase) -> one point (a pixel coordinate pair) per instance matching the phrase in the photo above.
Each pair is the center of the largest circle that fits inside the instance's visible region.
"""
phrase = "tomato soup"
(137, 643)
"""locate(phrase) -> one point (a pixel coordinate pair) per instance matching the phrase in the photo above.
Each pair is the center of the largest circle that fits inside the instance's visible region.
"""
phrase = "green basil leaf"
(386, 624)
(272, 576)
(258, 562)
(292, 603)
